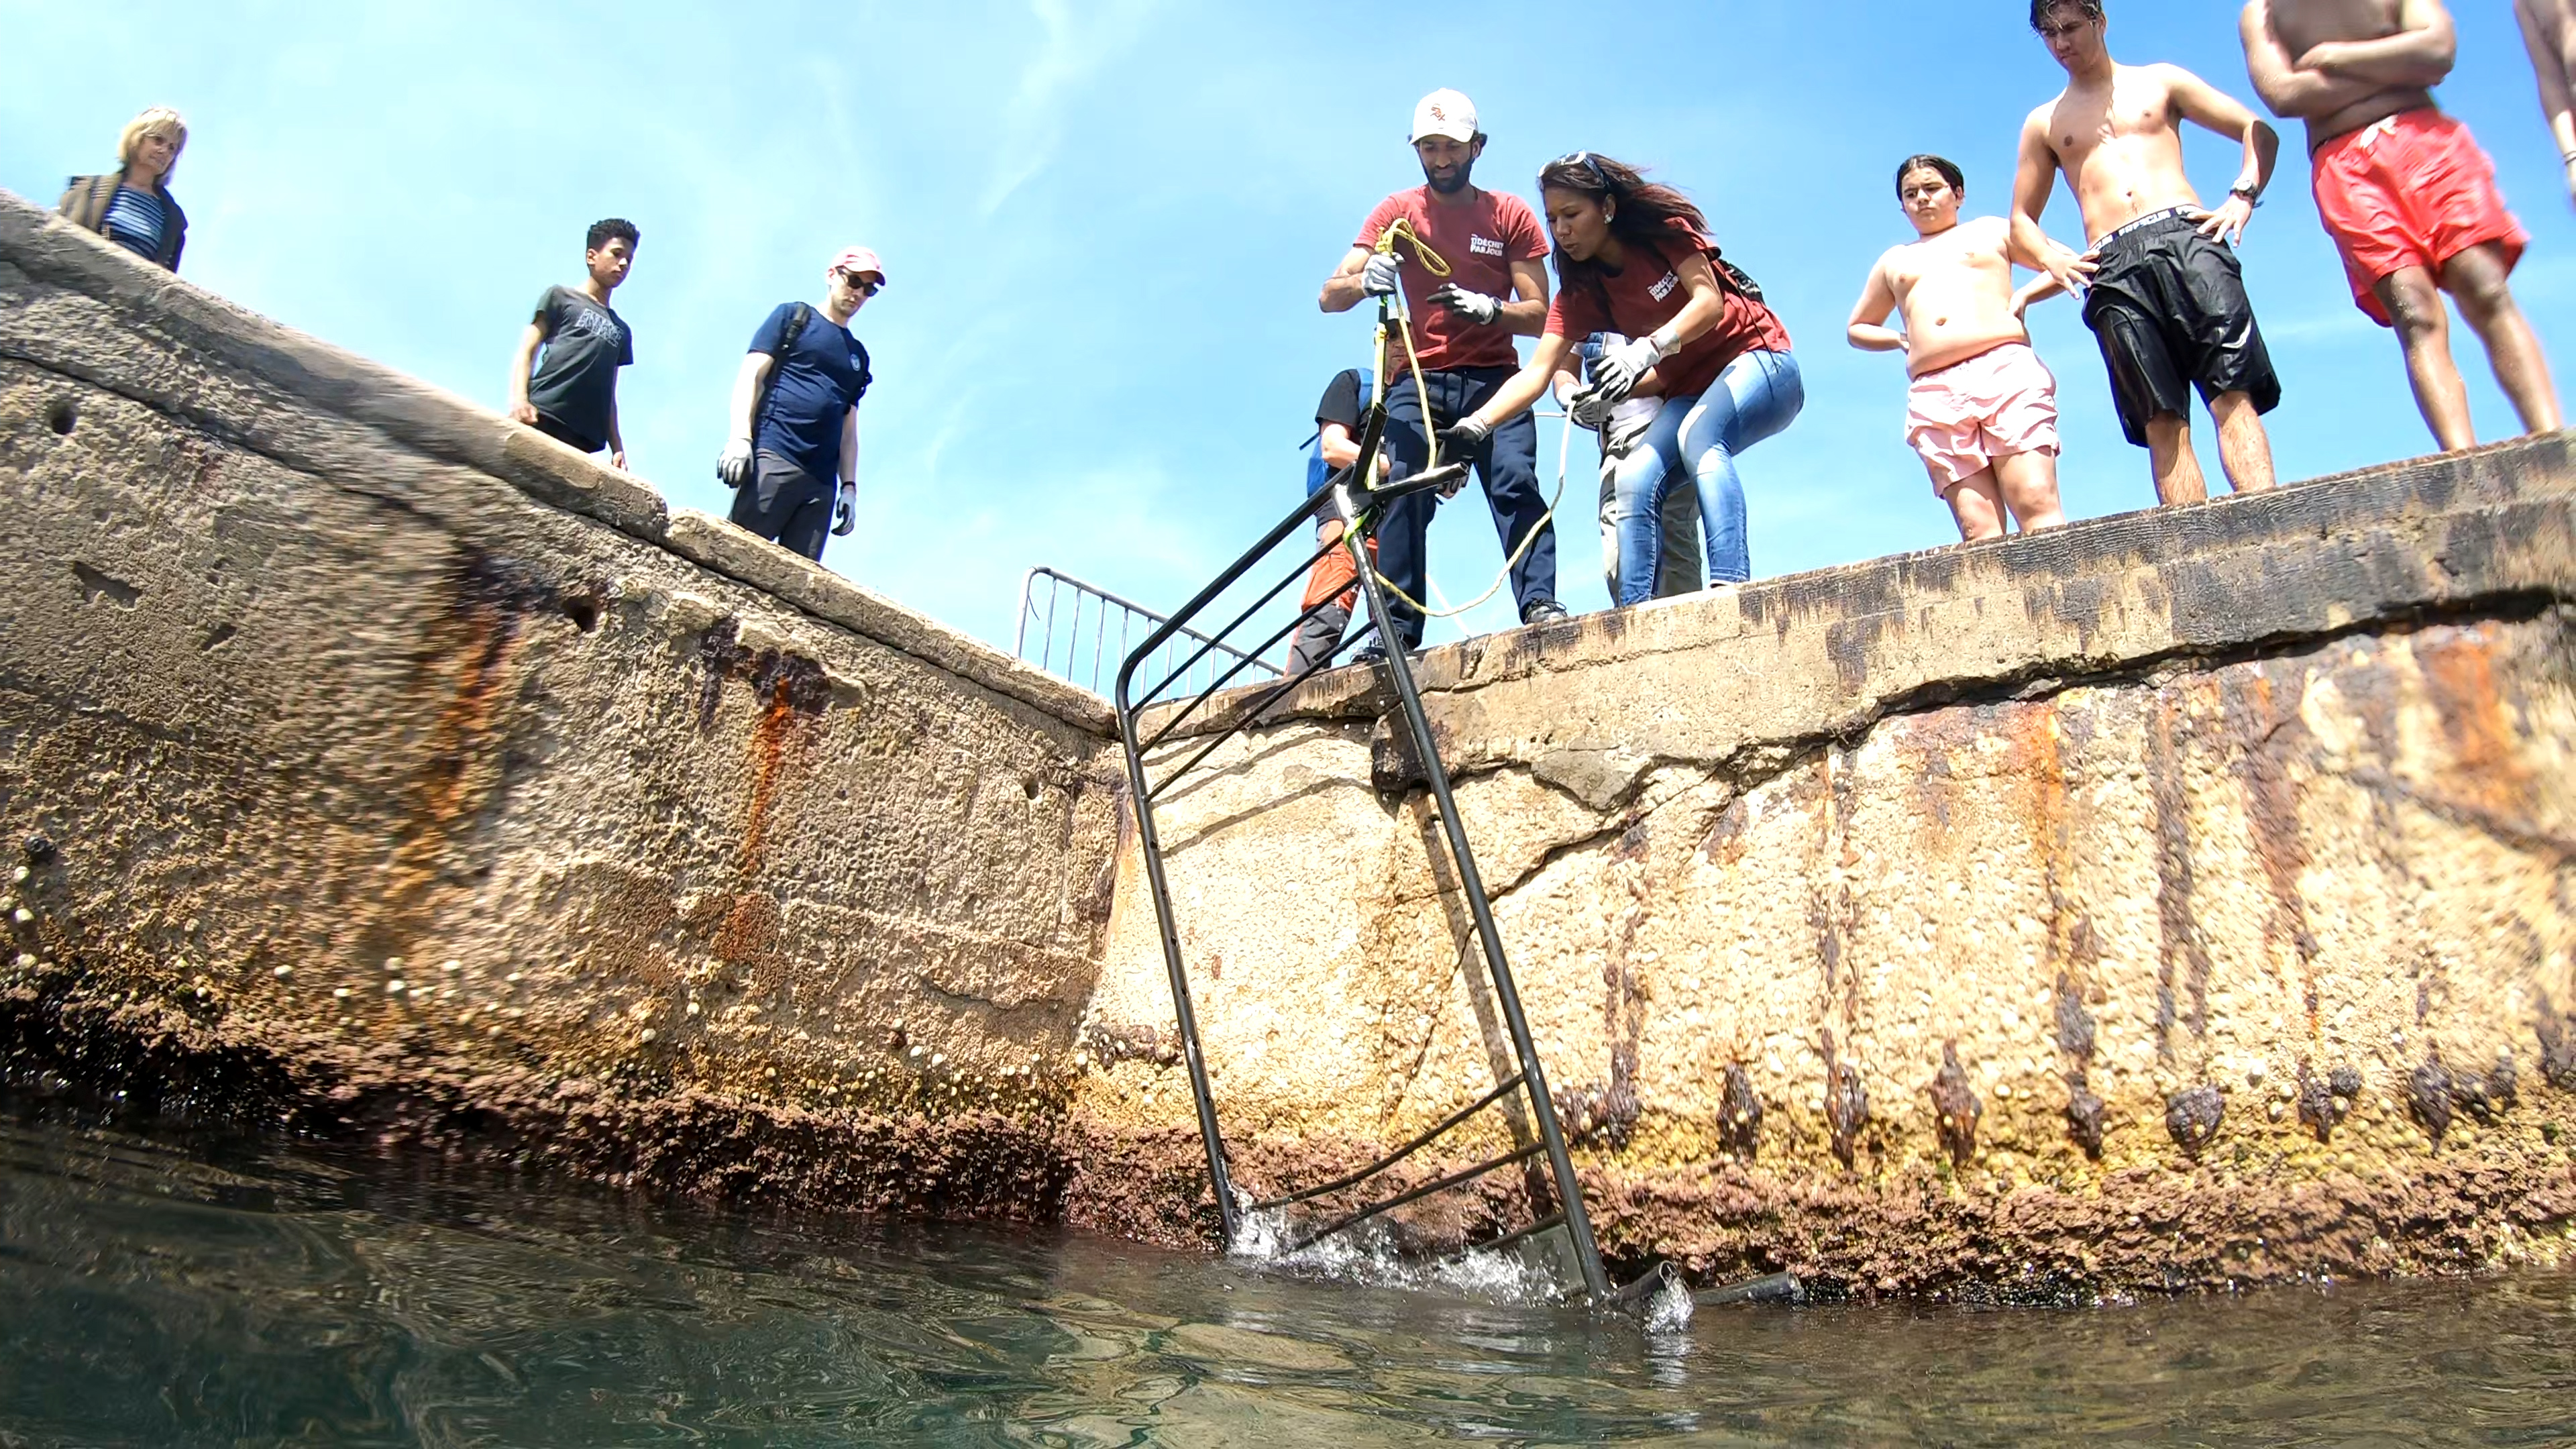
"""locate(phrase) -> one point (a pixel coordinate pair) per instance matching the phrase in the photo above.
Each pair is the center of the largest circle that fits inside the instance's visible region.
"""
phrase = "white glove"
(845, 511)
(734, 464)
(1383, 276)
(1622, 367)
(1476, 307)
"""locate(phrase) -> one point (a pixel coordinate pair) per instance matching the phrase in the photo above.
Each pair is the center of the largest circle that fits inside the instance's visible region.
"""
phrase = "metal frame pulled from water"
(1361, 509)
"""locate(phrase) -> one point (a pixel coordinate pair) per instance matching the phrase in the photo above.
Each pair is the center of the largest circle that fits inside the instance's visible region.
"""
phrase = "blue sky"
(1104, 225)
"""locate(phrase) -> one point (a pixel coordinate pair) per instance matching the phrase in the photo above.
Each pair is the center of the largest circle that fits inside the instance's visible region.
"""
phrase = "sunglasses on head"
(1585, 160)
(863, 288)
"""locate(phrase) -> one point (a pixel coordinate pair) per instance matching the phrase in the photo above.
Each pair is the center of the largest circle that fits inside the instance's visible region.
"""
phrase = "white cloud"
(1070, 52)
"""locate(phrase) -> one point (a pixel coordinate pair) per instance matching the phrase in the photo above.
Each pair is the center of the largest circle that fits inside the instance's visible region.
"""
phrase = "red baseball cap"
(858, 262)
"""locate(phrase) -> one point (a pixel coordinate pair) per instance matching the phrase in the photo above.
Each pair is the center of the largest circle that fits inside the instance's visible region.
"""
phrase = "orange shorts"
(2414, 190)
(1334, 574)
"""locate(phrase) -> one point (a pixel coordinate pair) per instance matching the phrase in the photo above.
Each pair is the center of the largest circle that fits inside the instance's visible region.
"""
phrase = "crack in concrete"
(1745, 768)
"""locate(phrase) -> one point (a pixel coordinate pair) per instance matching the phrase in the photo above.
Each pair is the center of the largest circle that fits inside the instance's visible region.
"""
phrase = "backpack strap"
(798, 320)
(1736, 277)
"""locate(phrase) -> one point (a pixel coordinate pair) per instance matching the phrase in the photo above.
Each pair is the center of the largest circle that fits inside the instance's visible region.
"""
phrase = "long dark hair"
(1641, 213)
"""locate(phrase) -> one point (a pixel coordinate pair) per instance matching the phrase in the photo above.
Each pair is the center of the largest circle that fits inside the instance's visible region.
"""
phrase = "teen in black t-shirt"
(570, 393)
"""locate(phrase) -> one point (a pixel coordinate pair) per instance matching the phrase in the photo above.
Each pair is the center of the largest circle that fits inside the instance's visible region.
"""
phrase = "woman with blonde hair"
(132, 206)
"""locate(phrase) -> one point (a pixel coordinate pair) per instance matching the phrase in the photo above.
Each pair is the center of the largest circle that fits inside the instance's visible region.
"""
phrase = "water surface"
(266, 1294)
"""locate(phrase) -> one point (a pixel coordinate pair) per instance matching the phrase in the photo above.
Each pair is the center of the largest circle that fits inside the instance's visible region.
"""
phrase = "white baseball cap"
(1445, 113)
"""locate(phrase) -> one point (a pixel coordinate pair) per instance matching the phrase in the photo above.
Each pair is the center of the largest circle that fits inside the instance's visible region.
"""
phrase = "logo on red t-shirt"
(1664, 288)
(1484, 246)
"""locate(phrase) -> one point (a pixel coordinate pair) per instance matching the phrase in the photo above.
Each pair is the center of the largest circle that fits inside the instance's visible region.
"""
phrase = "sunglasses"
(864, 289)
(1585, 160)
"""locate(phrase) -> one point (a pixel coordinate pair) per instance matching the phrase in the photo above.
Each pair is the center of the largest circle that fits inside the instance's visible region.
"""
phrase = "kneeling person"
(1983, 409)
(796, 415)
(1334, 577)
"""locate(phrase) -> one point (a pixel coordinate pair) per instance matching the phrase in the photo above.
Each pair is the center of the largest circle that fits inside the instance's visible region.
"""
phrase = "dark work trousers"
(1507, 466)
(782, 503)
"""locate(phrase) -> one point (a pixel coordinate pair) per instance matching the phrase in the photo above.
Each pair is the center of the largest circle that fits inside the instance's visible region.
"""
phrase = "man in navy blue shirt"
(795, 415)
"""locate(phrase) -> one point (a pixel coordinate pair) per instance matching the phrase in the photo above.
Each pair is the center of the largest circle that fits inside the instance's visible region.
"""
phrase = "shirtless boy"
(2549, 29)
(2161, 289)
(2406, 193)
(1983, 410)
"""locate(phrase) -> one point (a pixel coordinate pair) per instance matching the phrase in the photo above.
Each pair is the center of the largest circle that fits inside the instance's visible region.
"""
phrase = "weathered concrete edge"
(2431, 498)
(452, 430)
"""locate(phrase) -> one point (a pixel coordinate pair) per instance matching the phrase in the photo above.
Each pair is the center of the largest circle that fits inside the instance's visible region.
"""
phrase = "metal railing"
(1161, 756)
(1081, 658)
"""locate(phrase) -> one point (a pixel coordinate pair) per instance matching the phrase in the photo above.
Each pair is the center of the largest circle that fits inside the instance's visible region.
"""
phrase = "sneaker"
(1545, 611)
(1374, 653)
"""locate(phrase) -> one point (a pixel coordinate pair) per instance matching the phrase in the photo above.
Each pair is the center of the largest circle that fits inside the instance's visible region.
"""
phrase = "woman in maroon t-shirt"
(1633, 257)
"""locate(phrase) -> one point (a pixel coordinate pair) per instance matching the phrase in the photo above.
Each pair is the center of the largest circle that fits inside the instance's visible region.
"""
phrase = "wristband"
(2253, 197)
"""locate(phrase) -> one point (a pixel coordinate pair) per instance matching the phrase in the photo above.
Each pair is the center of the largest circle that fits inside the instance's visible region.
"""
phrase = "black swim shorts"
(2169, 308)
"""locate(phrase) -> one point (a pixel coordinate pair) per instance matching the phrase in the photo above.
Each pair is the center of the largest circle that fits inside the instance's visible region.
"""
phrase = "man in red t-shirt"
(1463, 328)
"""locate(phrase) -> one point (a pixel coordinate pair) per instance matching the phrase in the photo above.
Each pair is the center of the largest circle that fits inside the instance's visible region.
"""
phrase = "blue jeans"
(1758, 395)
(1508, 467)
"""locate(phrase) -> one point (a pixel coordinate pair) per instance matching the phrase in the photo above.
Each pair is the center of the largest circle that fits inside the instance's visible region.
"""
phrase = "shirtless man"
(2405, 192)
(2549, 29)
(1983, 411)
(2161, 292)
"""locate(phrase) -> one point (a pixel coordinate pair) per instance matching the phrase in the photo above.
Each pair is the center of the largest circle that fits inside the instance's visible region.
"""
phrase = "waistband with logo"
(2153, 218)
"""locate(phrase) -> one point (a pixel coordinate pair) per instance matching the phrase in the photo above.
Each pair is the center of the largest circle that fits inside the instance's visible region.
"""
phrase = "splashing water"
(1367, 1255)
(1670, 1312)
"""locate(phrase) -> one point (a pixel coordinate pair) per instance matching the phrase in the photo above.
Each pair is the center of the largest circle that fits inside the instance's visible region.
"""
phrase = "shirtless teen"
(2406, 193)
(2549, 29)
(2160, 289)
(1983, 410)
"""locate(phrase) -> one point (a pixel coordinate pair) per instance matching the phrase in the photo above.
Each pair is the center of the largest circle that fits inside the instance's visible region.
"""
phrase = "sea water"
(160, 1293)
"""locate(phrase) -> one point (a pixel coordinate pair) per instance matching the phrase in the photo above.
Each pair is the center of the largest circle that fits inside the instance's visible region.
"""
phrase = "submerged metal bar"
(1392, 1158)
(1346, 1223)
(1507, 995)
(1513, 1240)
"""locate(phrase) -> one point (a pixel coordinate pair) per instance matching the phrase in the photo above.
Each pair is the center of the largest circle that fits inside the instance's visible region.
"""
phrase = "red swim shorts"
(2414, 190)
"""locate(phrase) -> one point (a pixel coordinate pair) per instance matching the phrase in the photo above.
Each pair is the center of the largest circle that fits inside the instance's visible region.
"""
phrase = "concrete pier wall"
(390, 768)
(2183, 898)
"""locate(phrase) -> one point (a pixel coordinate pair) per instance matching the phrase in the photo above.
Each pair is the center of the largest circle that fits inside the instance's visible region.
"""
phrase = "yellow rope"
(1438, 266)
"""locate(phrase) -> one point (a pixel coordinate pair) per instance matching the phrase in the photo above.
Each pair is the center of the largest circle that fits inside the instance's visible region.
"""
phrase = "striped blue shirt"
(135, 220)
